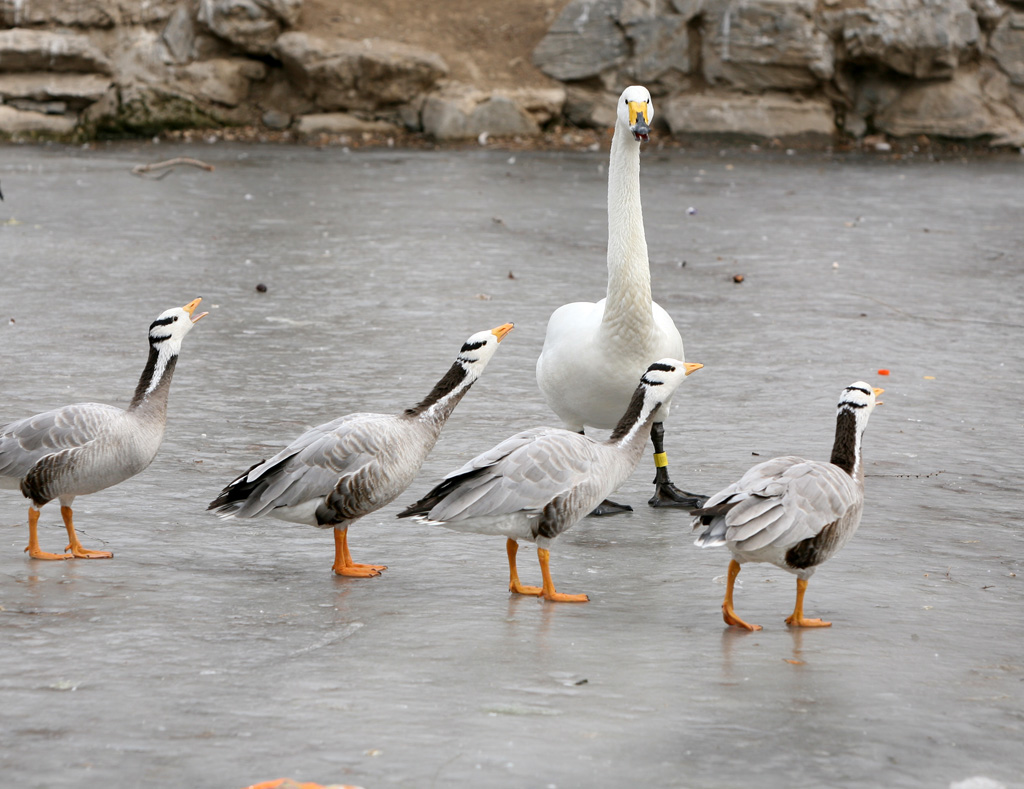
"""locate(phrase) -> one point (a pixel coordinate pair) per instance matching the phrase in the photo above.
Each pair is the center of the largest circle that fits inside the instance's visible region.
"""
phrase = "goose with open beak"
(87, 447)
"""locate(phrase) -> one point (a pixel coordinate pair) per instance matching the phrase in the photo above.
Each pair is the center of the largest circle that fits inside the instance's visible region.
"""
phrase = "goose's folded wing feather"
(784, 501)
(336, 459)
(25, 442)
(524, 473)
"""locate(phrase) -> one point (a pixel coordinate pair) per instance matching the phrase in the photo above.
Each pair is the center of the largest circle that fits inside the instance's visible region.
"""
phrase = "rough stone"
(148, 109)
(955, 108)
(73, 90)
(341, 74)
(588, 108)
(769, 115)
(340, 123)
(275, 119)
(866, 97)
(925, 39)
(83, 13)
(179, 35)
(463, 113)
(766, 44)
(222, 80)
(989, 12)
(584, 40)
(251, 25)
(1006, 46)
(541, 104)
(15, 123)
(660, 44)
(40, 50)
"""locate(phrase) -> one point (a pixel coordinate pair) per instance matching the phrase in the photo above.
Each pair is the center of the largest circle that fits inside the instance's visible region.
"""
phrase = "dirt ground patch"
(488, 45)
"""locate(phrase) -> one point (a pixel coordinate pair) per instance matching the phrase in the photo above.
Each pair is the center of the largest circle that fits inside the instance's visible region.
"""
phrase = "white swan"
(792, 512)
(593, 353)
(538, 483)
(87, 447)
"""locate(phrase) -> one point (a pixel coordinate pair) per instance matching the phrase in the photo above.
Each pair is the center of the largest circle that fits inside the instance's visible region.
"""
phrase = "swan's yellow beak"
(638, 109)
(877, 392)
(501, 331)
(191, 307)
(639, 120)
(691, 368)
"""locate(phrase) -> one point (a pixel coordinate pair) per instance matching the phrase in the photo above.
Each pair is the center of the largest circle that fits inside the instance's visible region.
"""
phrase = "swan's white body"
(594, 353)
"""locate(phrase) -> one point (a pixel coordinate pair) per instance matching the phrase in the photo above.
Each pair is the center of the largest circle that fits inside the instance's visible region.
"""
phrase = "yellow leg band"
(660, 460)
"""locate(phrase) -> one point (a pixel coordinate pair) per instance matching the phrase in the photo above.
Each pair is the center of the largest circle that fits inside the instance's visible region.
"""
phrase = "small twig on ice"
(143, 170)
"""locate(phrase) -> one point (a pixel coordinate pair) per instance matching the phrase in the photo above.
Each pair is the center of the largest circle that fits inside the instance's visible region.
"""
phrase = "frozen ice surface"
(217, 654)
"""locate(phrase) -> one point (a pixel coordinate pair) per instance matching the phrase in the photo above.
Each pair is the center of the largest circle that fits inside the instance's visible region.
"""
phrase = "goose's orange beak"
(501, 331)
(191, 307)
(877, 392)
(691, 368)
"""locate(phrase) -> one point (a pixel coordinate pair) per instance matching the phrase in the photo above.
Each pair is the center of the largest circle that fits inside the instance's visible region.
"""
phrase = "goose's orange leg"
(343, 564)
(33, 539)
(512, 548)
(728, 612)
(548, 591)
(797, 618)
(74, 545)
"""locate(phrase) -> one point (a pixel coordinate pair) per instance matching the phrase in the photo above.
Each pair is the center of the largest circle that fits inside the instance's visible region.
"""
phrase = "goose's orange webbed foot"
(730, 617)
(343, 564)
(548, 590)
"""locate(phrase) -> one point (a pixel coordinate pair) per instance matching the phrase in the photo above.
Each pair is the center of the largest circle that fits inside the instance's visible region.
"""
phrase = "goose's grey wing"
(779, 502)
(340, 462)
(502, 450)
(26, 442)
(524, 473)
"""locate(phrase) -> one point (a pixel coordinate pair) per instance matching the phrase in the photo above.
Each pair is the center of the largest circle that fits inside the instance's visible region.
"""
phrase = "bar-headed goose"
(334, 474)
(593, 353)
(792, 512)
(538, 483)
(84, 448)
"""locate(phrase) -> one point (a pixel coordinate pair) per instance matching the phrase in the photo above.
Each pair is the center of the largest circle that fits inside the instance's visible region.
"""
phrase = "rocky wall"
(756, 68)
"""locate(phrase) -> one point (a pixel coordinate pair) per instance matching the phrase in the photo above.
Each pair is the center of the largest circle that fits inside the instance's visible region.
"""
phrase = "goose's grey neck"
(628, 307)
(437, 406)
(635, 425)
(155, 383)
(846, 449)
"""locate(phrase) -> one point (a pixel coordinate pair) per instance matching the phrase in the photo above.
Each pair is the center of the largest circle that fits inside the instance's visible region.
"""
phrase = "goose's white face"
(860, 398)
(664, 376)
(480, 347)
(168, 330)
(636, 112)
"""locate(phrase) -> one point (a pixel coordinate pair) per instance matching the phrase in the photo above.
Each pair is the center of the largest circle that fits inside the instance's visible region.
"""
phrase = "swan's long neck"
(155, 384)
(437, 406)
(846, 451)
(627, 311)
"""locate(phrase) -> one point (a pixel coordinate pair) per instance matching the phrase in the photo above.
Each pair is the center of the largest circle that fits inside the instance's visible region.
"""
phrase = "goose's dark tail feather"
(237, 492)
(439, 492)
(714, 518)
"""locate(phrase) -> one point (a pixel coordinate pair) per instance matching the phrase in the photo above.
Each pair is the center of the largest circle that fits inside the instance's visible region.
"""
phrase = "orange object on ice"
(883, 372)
